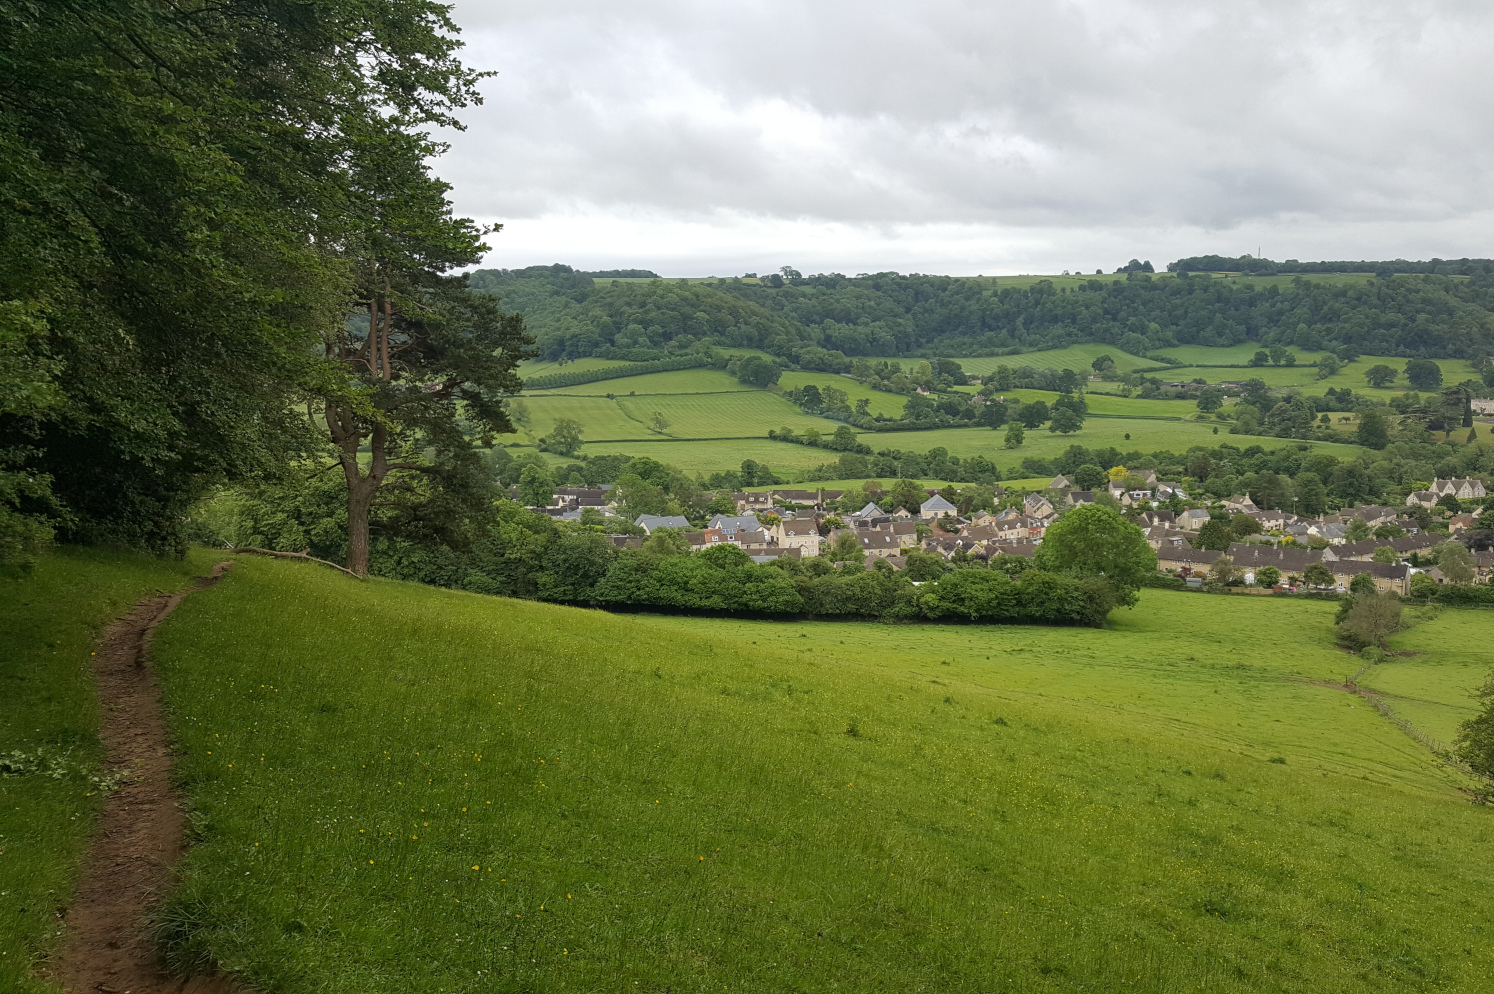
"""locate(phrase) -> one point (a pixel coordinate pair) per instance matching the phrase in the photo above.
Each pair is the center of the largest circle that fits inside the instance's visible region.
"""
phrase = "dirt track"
(140, 833)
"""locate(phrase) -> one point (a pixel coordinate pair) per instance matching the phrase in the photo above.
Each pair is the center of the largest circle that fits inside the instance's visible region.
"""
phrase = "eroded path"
(128, 867)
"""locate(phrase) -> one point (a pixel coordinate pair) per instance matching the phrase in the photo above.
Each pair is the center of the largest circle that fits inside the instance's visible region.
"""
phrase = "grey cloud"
(1121, 116)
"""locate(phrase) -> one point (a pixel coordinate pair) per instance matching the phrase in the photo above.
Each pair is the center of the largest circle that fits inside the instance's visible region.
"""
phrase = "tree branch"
(296, 555)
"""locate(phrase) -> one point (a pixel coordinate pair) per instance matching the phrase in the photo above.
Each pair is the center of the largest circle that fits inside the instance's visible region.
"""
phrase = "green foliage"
(755, 371)
(1241, 525)
(1456, 563)
(1091, 540)
(1362, 583)
(1371, 619)
(564, 437)
(1014, 435)
(1357, 530)
(1380, 375)
(1423, 374)
(1318, 575)
(847, 548)
(1373, 432)
(536, 488)
(1267, 576)
(1475, 742)
(172, 181)
(1215, 534)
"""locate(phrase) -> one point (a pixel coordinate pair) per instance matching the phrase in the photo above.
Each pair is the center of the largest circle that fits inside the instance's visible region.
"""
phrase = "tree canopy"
(1092, 540)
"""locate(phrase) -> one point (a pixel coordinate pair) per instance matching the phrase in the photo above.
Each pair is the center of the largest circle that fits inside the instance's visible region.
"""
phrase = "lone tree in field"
(1381, 375)
(1092, 540)
(565, 437)
(1371, 621)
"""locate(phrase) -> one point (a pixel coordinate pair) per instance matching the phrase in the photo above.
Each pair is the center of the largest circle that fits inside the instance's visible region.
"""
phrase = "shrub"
(1369, 621)
(1475, 741)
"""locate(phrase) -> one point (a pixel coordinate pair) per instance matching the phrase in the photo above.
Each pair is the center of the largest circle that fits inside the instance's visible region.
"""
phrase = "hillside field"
(399, 788)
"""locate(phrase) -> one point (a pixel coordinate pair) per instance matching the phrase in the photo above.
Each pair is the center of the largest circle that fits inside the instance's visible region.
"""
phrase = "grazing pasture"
(888, 405)
(701, 380)
(599, 417)
(398, 788)
(723, 415)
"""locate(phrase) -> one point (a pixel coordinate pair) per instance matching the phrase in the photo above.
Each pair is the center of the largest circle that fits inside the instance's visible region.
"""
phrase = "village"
(1269, 550)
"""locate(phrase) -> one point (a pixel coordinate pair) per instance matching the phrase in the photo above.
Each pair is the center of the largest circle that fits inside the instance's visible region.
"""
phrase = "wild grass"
(50, 789)
(398, 788)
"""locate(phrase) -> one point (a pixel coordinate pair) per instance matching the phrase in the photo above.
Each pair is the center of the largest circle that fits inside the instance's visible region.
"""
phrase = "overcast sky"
(984, 137)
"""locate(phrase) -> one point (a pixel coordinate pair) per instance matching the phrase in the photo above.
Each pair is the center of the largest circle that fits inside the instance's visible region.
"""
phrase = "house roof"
(734, 522)
(871, 510)
(938, 504)
(648, 522)
(1246, 554)
(1385, 571)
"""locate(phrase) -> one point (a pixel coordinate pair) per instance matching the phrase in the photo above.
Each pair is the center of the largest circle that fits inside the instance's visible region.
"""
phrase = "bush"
(1369, 621)
(1475, 741)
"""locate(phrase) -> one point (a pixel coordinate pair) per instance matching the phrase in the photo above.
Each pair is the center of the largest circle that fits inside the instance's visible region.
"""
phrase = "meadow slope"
(398, 788)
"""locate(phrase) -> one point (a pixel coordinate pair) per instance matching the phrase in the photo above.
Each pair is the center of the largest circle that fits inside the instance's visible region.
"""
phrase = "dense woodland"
(194, 197)
(573, 315)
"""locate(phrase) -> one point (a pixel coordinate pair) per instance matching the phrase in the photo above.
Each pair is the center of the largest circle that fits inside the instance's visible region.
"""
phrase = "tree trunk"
(360, 501)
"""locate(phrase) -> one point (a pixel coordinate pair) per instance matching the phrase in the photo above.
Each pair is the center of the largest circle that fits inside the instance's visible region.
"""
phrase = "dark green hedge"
(572, 378)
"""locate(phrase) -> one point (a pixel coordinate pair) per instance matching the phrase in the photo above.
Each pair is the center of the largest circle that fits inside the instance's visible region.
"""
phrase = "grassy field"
(1305, 375)
(48, 726)
(878, 401)
(398, 788)
(1079, 358)
(724, 415)
(715, 456)
(786, 458)
(1146, 436)
(599, 416)
(1237, 355)
(676, 381)
(1448, 660)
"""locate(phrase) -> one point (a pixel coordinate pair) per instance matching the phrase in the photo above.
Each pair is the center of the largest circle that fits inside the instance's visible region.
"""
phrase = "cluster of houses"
(796, 523)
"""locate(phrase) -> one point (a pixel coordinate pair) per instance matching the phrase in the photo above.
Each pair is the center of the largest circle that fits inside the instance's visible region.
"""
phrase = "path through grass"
(49, 747)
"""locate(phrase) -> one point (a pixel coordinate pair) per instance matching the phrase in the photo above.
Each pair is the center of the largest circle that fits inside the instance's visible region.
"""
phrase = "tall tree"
(174, 209)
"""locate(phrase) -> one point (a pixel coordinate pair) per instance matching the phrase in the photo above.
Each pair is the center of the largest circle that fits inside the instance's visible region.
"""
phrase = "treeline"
(194, 198)
(570, 378)
(1266, 267)
(529, 556)
(817, 322)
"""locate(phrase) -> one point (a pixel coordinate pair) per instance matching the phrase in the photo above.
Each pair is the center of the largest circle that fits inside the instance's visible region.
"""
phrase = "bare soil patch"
(128, 867)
